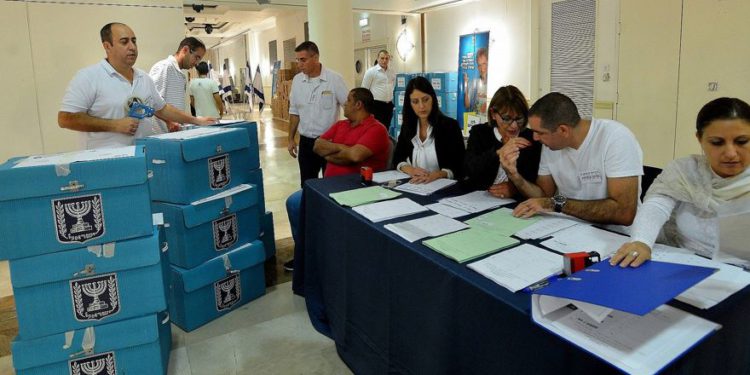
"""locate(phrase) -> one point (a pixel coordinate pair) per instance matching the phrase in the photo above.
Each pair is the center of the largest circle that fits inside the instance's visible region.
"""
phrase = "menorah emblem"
(223, 292)
(99, 364)
(93, 367)
(225, 232)
(219, 171)
(95, 290)
(227, 288)
(218, 167)
(78, 219)
(96, 297)
(78, 210)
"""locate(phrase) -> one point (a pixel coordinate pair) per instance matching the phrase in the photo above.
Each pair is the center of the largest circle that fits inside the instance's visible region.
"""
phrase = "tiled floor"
(271, 335)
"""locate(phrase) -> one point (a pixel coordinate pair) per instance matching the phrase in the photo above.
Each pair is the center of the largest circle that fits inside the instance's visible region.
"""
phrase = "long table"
(397, 307)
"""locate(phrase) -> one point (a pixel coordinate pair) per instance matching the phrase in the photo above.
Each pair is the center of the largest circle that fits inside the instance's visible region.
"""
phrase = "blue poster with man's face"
(472, 79)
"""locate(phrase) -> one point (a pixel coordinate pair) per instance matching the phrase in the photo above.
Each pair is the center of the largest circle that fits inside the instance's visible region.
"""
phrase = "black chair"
(649, 174)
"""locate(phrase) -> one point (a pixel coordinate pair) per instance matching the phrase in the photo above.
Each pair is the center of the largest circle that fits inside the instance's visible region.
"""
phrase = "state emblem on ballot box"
(219, 171)
(228, 291)
(225, 232)
(95, 298)
(100, 364)
(78, 219)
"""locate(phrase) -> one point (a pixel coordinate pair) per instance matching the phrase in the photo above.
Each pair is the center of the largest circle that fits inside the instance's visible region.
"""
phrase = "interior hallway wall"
(48, 42)
(511, 46)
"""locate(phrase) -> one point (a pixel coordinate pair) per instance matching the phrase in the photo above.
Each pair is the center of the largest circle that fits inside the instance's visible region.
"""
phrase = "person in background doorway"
(204, 94)
(380, 80)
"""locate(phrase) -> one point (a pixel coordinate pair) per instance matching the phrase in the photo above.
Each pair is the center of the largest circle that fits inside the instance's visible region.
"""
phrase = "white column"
(331, 27)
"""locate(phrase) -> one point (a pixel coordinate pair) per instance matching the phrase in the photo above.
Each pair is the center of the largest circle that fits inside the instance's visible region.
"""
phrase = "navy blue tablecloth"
(397, 307)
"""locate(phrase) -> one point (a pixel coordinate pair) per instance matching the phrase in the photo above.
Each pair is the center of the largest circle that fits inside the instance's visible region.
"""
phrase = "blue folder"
(634, 290)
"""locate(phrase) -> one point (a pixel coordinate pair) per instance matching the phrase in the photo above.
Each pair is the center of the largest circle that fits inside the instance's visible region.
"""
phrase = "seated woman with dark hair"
(507, 116)
(683, 200)
(430, 145)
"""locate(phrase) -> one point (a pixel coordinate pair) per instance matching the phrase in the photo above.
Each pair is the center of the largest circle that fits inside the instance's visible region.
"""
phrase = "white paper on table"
(547, 225)
(385, 176)
(519, 267)
(476, 201)
(734, 220)
(446, 210)
(76, 156)
(228, 121)
(635, 344)
(197, 132)
(586, 238)
(549, 304)
(429, 226)
(709, 292)
(381, 211)
(426, 189)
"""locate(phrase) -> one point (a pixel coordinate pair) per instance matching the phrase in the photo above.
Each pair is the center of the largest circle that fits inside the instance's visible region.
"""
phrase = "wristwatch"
(559, 200)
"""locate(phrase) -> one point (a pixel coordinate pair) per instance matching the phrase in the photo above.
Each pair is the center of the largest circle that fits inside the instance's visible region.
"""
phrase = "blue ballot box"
(444, 81)
(256, 178)
(402, 79)
(189, 165)
(133, 346)
(79, 288)
(58, 202)
(267, 234)
(252, 133)
(200, 231)
(214, 288)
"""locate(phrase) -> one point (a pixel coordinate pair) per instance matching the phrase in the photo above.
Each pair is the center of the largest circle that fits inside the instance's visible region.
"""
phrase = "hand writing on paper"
(532, 206)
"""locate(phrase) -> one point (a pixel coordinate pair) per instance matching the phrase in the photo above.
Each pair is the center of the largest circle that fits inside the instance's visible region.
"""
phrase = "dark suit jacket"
(481, 162)
(449, 144)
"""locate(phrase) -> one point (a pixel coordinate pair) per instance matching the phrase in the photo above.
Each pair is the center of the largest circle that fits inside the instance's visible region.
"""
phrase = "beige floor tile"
(5, 287)
(6, 366)
(178, 362)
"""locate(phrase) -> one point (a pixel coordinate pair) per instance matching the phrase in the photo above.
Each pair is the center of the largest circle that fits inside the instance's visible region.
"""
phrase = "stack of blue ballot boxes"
(85, 263)
(207, 183)
(446, 86)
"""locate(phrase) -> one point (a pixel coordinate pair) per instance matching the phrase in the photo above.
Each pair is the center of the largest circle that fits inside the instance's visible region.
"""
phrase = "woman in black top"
(430, 145)
(507, 116)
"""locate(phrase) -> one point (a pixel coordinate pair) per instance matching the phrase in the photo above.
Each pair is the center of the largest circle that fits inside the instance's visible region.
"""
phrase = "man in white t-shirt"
(97, 100)
(589, 169)
(380, 80)
(169, 79)
(204, 94)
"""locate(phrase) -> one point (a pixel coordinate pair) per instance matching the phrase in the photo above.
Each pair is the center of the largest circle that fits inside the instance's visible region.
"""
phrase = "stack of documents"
(634, 344)
(546, 226)
(619, 313)
(477, 201)
(356, 197)
(426, 189)
(469, 244)
(708, 293)
(519, 267)
(385, 176)
(381, 211)
(586, 238)
(501, 221)
(447, 210)
(429, 226)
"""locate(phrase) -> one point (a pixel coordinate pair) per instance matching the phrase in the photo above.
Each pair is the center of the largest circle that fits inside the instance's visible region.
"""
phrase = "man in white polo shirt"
(314, 102)
(169, 79)
(97, 100)
(380, 80)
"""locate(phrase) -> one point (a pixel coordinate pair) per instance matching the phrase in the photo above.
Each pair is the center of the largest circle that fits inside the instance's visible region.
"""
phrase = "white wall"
(48, 42)
(511, 44)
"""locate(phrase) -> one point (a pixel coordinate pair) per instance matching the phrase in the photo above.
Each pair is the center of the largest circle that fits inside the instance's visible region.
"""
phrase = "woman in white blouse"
(430, 145)
(684, 198)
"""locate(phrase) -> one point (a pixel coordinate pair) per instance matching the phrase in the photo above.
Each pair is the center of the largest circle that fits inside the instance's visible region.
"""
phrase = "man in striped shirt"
(169, 79)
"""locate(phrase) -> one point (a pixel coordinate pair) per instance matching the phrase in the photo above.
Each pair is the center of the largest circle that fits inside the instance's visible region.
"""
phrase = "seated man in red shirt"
(358, 141)
(349, 144)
